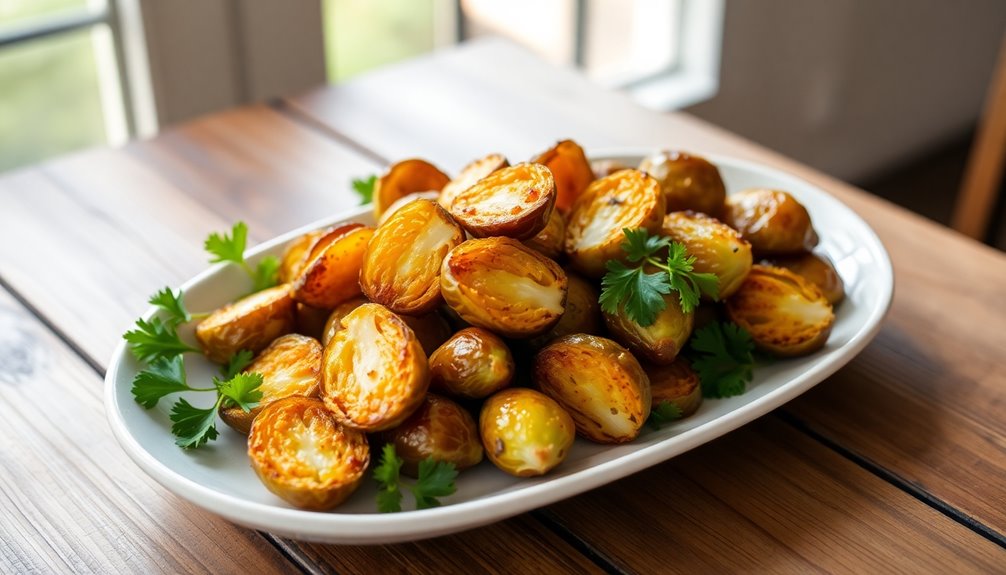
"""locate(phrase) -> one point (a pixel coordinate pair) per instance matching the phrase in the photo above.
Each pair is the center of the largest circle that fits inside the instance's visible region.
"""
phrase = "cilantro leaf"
(389, 496)
(365, 188)
(641, 294)
(684, 280)
(237, 363)
(193, 426)
(639, 244)
(724, 359)
(228, 248)
(155, 339)
(436, 479)
(241, 390)
(266, 273)
(663, 413)
(172, 303)
(163, 377)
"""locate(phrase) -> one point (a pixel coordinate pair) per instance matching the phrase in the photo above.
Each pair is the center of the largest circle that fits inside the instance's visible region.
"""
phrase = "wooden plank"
(932, 383)
(72, 501)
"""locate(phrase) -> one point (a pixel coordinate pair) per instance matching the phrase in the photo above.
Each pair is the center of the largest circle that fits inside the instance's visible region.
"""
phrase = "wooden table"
(896, 463)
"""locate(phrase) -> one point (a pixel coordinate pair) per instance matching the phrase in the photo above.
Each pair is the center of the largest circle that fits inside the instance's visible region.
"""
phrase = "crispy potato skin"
(688, 182)
(471, 175)
(514, 202)
(582, 313)
(550, 239)
(474, 363)
(818, 270)
(626, 199)
(374, 371)
(785, 314)
(571, 170)
(250, 323)
(440, 429)
(401, 267)
(331, 274)
(402, 201)
(659, 342)
(404, 178)
(525, 433)
(295, 256)
(431, 329)
(303, 455)
(504, 286)
(291, 365)
(771, 220)
(718, 248)
(677, 384)
(599, 383)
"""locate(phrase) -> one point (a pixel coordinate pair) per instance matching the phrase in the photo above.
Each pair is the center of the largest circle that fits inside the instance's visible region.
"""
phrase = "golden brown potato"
(431, 329)
(771, 220)
(718, 248)
(303, 455)
(549, 240)
(374, 371)
(677, 384)
(599, 383)
(688, 182)
(311, 320)
(582, 313)
(401, 269)
(626, 199)
(250, 323)
(404, 178)
(334, 321)
(818, 270)
(515, 202)
(295, 256)
(400, 202)
(524, 432)
(291, 365)
(502, 285)
(659, 342)
(331, 274)
(785, 314)
(471, 175)
(474, 363)
(571, 170)
(439, 429)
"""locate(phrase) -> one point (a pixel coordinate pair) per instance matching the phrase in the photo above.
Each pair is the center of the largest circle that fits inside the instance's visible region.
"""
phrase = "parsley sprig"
(231, 248)
(642, 293)
(723, 358)
(436, 479)
(663, 413)
(364, 187)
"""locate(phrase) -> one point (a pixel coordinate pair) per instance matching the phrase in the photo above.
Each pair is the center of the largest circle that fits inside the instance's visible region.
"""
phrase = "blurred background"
(886, 94)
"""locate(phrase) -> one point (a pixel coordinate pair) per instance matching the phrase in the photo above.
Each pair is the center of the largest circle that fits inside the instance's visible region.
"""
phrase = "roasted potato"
(659, 342)
(401, 268)
(334, 321)
(785, 314)
(431, 329)
(311, 320)
(404, 178)
(718, 248)
(818, 270)
(677, 384)
(291, 365)
(599, 383)
(502, 285)
(474, 363)
(439, 429)
(250, 323)
(332, 272)
(688, 182)
(571, 170)
(550, 239)
(515, 202)
(400, 202)
(374, 371)
(471, 175)
(303, 455)
(524, 432)
(771, 220)
(582, 313)
(295, 256)
(626, 199)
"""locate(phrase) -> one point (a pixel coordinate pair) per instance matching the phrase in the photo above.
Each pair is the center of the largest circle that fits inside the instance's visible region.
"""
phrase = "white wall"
(853, 87)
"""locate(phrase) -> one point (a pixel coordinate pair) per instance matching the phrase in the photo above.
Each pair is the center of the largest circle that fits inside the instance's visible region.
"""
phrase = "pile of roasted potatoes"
(467, 325)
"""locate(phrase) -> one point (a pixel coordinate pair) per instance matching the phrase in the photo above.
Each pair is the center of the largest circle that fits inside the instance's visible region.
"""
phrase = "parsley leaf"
(228, 248)
(365, 188)
(389, 496)
(163, 377)
(241, 390)
(436, 479)
(641, 294)
(237, 363)
(193, 426)
(663, 413)
(639, 244)
(266, 273)
(172, 303)
(724, 359)
(155, 339)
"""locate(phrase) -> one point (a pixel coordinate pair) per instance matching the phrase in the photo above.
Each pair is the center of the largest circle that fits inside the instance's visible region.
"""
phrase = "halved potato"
(599, 383)
(473, 364)
(439, 429)
(525, 432)
(401, 202)
(626, 199)
(718, 248)
(401, 269)
(295, 256)
(291, 365)
(785, 314)
(334, 321)
(659, 342)
(404, 178)
(515, 202)
(677, 384)
(818, 270)
(374, 371)
(688, 182)
(504, 286)
(431, 329)
(571, 170)
(250, 323)
(550, 239)
(771, 220)
(581, 315)
(332, 272)
(303, 455)
(311, 320)
(471, 175)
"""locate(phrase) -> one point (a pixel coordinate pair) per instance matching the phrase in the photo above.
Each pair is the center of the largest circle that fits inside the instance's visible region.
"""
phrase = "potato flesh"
(514, 202)
(471, 175)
